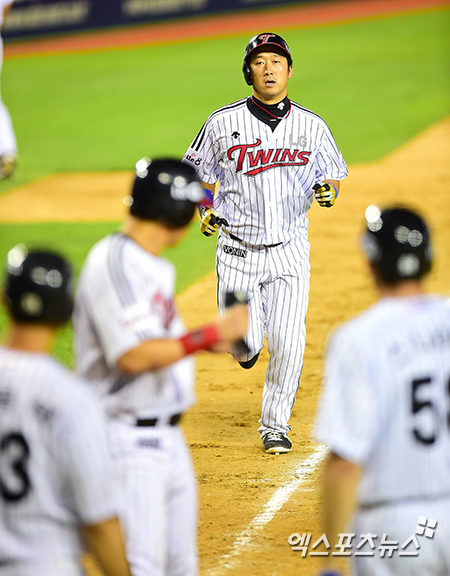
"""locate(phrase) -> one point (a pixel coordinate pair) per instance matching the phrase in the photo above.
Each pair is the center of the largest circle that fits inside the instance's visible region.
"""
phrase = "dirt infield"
(243, 525)
(236, 479)
(289, 17)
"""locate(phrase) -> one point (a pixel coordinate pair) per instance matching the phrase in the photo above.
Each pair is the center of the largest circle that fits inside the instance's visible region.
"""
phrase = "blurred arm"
(104, 541)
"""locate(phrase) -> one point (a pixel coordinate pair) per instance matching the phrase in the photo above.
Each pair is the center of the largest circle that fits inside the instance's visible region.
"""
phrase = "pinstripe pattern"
(125, 296)
(114, 314)
(68, 465)
(386, 406)
(266, 178)
(154, 471)
(277, 282)
(366, 412)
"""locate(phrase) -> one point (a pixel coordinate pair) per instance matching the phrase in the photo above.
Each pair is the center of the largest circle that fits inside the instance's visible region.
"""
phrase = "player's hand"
(210, 221)
(233, 327)
(325, 194)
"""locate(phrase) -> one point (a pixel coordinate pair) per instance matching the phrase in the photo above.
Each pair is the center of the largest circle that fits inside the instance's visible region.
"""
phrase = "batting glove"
(210, 221)
(325, 194)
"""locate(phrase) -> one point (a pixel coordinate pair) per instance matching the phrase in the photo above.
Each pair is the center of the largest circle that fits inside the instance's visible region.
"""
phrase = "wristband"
(201, 339)
(207, 201)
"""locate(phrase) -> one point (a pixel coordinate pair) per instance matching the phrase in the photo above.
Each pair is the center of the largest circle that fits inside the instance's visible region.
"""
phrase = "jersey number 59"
(422, 403)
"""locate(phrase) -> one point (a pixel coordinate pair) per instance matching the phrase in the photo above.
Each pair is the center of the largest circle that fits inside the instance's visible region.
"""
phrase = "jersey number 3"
(14, 480)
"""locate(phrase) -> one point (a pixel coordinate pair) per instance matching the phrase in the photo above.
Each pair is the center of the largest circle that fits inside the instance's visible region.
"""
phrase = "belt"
(173, 421)
(233, 237)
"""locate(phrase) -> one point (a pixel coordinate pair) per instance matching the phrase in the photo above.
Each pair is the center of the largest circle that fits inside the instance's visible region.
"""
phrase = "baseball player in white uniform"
(269, 155)
(132, 346)
(56, 490)
(8, 143)
(385, 412)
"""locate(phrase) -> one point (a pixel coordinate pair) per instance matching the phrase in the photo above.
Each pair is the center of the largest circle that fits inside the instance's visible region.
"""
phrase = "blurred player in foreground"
(132, 345)
(55, 468)
(385, 412)
(8, 144)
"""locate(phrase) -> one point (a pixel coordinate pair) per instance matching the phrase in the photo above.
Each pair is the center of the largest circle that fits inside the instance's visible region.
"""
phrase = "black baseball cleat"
(276, 442)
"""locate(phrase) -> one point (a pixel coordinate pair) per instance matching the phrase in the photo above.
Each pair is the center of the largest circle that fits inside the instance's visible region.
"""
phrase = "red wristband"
(201, 339)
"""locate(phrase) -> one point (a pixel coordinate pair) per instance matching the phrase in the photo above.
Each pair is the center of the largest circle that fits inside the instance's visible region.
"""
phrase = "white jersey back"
(266, 177)
(124, 297)
(55, 469)
(386, 401)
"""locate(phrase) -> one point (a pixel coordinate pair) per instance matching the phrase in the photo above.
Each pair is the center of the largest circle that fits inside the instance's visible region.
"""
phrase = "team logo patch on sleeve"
(235, 251)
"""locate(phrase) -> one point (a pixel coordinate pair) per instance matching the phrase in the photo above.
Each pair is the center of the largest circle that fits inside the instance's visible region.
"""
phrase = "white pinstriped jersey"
(386, 400)
(55, 468)
(126, 296)
(266, 177)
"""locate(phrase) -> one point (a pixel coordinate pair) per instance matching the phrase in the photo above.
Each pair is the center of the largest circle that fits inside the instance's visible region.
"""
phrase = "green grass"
(75, 240)
(377, 83)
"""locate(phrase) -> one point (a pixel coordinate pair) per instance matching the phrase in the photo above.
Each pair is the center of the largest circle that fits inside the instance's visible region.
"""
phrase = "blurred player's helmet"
(397, 243)
(165, 190)
(39, 287)
(265, 39)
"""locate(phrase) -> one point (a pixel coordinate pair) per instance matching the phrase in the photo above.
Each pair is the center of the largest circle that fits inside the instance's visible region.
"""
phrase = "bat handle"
(232, 298)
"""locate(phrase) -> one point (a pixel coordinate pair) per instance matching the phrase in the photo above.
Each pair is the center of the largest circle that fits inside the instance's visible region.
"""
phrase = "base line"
(246, 537)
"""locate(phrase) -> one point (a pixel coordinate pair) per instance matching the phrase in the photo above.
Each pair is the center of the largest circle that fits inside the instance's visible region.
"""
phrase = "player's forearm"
(215, 337)
(210, 187)
(336, 184)
(151, 355)
(105, 542)
(339, 499)
(207, 202)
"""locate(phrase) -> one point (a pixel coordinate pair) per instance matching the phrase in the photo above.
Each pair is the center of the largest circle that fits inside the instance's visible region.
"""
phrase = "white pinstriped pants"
(276, 280)
(156, 478)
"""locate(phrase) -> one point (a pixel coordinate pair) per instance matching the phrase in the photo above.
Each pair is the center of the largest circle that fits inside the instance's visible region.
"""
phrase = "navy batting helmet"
(263, 39)
(165, 190)
(397, 243)
(39, 287)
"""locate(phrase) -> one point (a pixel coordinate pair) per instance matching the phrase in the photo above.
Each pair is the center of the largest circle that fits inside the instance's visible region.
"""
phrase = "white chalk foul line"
(281, 496)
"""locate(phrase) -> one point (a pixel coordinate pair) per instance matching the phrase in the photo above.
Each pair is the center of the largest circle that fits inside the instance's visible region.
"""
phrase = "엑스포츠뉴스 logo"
(261, 160)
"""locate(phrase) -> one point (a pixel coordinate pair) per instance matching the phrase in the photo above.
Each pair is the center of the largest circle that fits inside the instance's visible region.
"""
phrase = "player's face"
(270, 74)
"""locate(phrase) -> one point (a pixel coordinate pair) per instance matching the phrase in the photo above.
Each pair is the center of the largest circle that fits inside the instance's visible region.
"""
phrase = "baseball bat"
(232, 298)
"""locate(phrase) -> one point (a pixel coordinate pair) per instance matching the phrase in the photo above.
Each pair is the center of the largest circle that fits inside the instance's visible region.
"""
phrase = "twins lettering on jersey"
(262, 160)
(256, 161)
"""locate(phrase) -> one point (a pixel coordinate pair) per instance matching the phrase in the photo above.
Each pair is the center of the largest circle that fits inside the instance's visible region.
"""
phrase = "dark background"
(43, 17)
